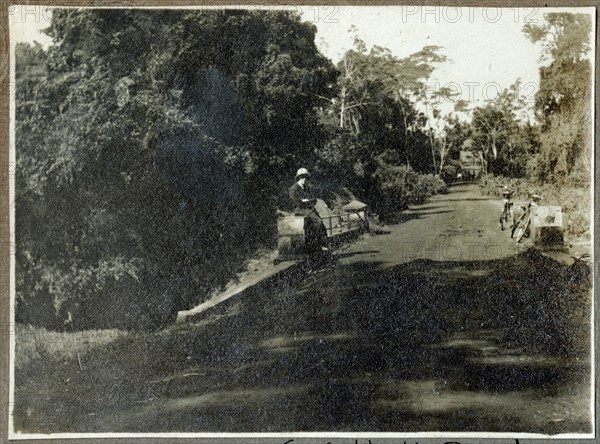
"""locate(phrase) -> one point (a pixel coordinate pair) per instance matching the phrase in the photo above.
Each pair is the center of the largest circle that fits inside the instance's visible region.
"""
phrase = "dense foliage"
(507, 143)
(553, 158)
(550, 143)
(151, 143)
(154, 146)
(564, 100)
(145, 158)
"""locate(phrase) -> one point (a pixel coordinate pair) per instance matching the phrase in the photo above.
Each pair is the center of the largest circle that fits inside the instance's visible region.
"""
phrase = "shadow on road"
(425, 207)
(498, 346)
(466, 199)
(416, 213)
(355, 253)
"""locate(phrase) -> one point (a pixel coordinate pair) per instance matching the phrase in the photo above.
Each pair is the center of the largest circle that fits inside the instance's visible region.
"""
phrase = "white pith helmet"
(302, 172)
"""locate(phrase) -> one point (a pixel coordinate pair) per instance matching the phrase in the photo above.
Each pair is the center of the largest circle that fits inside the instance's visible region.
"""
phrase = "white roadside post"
(547, 229)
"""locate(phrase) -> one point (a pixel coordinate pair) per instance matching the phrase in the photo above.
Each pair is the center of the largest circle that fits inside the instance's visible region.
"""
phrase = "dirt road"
(438, 323)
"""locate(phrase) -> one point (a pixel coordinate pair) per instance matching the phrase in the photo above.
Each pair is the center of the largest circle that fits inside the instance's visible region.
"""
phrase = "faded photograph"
(297, 219)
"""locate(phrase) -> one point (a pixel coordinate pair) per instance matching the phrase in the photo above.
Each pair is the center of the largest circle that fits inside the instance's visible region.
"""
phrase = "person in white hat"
(303, 200)
(301, 194)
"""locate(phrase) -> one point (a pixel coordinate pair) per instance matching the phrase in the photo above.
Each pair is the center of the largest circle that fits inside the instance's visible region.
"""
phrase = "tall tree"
(563, 102)
(502, 134)
(376, 83)
(148, 155)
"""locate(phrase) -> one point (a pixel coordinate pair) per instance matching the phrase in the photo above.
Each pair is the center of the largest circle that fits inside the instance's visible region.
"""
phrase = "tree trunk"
(443, 149)
(406, 155)
(432, 143)
(342, 106)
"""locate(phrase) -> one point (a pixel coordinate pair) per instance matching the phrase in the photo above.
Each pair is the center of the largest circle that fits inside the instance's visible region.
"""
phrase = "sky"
(486, 47)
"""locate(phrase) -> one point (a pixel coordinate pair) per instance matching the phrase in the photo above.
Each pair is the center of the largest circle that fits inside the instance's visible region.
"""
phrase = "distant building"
(471, 162)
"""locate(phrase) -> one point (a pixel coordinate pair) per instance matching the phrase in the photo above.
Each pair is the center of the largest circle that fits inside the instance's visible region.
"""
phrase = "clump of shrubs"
(449, 173)
(428, 185)
(401, 186)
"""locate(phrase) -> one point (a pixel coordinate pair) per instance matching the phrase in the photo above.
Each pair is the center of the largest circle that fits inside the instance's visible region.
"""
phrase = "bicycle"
(521, 227)
(507, 218)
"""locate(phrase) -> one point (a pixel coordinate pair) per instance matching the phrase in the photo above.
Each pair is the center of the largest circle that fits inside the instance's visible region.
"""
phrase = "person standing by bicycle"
(507, 193)
(506, 217)
(521, 227)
